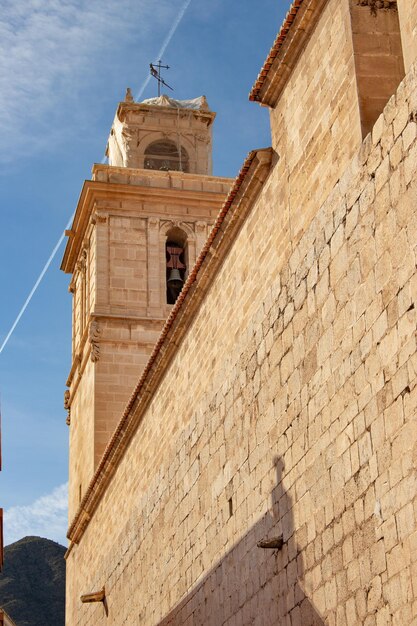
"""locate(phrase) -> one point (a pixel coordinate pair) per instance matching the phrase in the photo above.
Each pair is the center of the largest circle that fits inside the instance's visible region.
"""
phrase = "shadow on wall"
(251, 585)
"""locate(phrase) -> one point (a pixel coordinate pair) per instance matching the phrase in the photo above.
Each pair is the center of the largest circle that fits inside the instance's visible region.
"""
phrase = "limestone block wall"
(288, 407)
(315, 124)
(125, 346)
(378, 57)
(131, 256)
(81, 379)
(408, 23)
(127, 264)
(81, 431)
(351, 64)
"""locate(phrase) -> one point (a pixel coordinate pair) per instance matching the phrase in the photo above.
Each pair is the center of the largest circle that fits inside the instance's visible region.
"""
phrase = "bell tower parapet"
(162, 134)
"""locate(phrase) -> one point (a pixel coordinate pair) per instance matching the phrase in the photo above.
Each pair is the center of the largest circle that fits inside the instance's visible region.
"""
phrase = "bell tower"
(139, 226)
(162, 134)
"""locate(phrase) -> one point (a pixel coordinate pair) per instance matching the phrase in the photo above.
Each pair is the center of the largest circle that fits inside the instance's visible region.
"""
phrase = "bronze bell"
(175, 281)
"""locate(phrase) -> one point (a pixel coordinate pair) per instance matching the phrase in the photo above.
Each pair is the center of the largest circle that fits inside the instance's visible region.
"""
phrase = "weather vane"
(156, 73)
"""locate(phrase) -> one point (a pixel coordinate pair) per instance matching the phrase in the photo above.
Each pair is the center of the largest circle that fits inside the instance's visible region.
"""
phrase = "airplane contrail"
(161, 53)
(35, 286)
(165, 44)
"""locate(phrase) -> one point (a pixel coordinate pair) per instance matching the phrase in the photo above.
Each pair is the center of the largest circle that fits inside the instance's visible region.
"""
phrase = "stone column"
(102, 290)
(200, 236)
(155, 252)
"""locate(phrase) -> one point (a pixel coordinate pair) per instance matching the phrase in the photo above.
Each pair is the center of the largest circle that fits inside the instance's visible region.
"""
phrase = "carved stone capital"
(153, 223)
(98, 218)
(200, 227)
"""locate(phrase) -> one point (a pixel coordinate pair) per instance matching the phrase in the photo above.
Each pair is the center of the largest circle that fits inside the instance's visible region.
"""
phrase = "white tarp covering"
(165, 101)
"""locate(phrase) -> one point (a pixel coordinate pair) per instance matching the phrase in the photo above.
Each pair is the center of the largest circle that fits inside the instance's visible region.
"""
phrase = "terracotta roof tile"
(277, 45)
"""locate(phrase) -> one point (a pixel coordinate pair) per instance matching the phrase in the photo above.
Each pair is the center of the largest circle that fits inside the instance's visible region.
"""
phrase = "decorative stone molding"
(165, 225)
(200, 227)
(98, 217)
(81, 264)
(203, 138)
(94, 332)
(67, 405)
(187, 227)
(75, 364)
(374, 5)
(153, 222)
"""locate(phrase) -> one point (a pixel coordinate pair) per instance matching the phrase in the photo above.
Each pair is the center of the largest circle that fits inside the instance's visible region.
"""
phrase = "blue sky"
(64, 66)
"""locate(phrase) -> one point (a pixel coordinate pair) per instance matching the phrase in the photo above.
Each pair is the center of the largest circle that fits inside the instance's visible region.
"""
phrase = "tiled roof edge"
(106, 466)
(254, 94)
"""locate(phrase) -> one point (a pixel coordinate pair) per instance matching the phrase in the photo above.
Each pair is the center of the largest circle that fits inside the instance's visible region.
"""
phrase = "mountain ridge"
(32, 583)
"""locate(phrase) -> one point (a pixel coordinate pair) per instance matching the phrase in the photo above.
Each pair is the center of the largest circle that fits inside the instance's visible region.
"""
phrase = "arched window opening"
(176, 263)
(164, 155)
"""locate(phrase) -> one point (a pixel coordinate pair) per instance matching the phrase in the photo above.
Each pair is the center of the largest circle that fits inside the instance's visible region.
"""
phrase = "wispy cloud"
(45, 517)
(50, 50)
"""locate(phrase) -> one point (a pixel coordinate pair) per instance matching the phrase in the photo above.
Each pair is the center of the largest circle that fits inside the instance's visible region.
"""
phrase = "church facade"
(242, 397)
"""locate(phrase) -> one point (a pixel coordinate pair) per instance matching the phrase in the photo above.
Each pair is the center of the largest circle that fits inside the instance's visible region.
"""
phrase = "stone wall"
(81, 438)
(378, 57)
(408, 23)
(288, 407)
(316, 126)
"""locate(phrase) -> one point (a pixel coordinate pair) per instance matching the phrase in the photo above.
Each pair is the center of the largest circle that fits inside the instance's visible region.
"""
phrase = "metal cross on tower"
(156, 73)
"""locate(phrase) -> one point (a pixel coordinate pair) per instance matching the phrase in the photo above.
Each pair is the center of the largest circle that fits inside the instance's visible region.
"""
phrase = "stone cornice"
(128, 318)
(233, 213)
(158, 187)
(154, 178)
(286, 50)
(125, 108)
